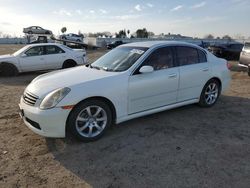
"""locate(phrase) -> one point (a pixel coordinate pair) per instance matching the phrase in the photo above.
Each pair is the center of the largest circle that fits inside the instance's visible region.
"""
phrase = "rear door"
(33, 59)
(54, 57)
(156, 89)
(195, 71)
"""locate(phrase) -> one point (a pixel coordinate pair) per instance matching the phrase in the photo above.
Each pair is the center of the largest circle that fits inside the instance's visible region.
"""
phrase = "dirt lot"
(184, 147)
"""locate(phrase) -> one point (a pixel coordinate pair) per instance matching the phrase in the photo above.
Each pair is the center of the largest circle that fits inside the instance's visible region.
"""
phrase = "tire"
(89, 120)
(8, 69)
(210, 93)
(69, 64)
(248, 71)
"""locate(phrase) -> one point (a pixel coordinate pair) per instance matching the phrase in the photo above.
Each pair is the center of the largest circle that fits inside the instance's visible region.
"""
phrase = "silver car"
(245, 57)
(36, 30)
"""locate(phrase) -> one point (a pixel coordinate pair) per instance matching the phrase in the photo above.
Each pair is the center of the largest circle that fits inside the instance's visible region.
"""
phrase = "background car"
(72, 37)
(130, 81)
(37, 57)
(36, 30)
(227, 51)
(245, 57)
(115, 44)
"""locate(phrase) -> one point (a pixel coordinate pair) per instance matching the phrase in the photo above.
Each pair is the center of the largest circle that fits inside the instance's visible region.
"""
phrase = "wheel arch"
(101, 98)
(10, 64)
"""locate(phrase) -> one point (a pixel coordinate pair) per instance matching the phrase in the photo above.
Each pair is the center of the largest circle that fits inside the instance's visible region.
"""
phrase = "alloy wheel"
(91, 121)
(211, 93)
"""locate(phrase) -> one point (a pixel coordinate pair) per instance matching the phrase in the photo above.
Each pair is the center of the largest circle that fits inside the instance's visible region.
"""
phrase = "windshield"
(20, 51)
(119, 59)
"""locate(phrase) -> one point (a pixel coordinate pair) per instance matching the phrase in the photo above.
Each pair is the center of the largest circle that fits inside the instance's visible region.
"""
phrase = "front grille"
(29, 98)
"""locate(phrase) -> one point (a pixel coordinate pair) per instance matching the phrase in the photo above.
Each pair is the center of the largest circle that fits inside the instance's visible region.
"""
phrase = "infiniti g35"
(131, 81)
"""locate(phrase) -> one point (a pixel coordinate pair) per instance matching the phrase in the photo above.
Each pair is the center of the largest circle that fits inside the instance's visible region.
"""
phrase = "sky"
(195, 18)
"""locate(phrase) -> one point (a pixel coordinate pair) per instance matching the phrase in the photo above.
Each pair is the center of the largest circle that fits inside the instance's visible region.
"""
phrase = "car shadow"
(189, 146)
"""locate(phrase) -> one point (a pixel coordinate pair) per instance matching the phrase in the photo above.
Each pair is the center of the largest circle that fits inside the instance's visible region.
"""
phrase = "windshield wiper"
(93, 67)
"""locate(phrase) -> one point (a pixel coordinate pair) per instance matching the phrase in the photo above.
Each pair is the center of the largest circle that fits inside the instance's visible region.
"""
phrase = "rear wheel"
(210, 93)
(8, 69)
(69, 64)
(89, 120)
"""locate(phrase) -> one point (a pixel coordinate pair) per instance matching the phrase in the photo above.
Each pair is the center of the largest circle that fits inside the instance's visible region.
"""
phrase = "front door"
(156, 89)
(33, 59)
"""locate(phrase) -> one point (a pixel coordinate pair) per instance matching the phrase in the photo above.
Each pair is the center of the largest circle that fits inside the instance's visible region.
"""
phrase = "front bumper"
(48, 123)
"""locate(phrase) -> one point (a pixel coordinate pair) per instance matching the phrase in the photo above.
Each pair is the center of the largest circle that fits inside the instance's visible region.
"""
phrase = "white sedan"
(130, 81)
(36, 57)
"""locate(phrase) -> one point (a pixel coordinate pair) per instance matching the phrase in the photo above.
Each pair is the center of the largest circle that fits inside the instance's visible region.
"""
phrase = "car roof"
(44, 44)
(152, 44)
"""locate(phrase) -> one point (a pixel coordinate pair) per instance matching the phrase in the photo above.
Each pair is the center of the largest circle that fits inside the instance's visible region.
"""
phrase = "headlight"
(53, 98)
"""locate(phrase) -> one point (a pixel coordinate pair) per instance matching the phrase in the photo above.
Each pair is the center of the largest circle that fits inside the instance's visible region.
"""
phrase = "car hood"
(7, 56)
(48, 82)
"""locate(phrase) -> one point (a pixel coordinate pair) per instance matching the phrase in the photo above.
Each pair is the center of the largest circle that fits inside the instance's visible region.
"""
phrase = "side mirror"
(146, 69)
(23, 55)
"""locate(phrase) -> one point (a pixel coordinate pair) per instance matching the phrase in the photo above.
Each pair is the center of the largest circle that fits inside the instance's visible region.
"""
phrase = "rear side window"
(54, 50)
(202, 56)
(189, 56)
(160, 59)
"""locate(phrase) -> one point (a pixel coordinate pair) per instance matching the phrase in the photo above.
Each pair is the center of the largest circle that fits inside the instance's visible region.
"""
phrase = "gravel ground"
(185, 147)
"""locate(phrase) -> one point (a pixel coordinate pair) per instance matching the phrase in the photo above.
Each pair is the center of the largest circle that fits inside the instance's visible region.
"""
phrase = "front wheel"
(89, 120)
(210, 93)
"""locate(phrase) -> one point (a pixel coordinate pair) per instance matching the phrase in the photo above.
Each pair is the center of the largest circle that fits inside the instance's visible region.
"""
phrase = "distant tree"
(121, 34)
(64, 29)
(209, 36)
(150, 34)
(227, 37)
(217, 37)
(128, 31)
(142, 33)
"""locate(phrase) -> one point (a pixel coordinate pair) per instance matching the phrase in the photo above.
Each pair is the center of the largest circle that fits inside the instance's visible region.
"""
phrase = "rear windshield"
(247, 46)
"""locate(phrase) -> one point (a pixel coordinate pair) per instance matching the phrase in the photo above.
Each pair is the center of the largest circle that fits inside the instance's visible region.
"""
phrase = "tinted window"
(236, 46)
(187, 55)
(35, 51)
(160, 59)
(202, 56)
(53, 50)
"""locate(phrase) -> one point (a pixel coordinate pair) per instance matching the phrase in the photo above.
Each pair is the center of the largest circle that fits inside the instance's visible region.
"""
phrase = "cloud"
(138, 7)
(63, 12)
(199, 5)
(79, 12)
(149, 5)
(92, 12)
(177, 8)
(103, 11)
(127, 17)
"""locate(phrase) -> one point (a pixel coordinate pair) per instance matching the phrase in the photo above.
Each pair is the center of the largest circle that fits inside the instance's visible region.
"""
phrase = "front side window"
(35, 51)
(160, 59)
(187, 55)
(119, 59)
(53, 50)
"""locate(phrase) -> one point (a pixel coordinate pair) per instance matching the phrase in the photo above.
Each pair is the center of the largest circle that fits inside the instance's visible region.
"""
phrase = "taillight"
(229, 66)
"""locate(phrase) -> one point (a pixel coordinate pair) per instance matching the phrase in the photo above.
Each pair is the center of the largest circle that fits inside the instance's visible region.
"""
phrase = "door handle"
(205, 69)
(174, 75)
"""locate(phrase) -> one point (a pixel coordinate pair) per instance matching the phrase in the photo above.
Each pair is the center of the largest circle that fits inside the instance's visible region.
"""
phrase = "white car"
(72, 37)
(130, 81)
(37, 57)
